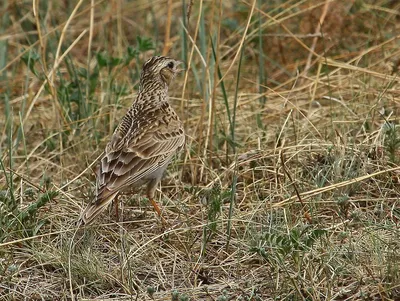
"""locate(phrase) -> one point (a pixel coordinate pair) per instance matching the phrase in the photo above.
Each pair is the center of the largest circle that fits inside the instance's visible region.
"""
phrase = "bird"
(143, 143)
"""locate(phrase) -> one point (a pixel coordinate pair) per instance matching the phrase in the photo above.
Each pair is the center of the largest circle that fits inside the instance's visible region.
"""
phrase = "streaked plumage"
(143, 144)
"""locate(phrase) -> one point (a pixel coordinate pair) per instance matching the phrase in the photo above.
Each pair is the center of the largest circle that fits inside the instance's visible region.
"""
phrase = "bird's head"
(160, 69)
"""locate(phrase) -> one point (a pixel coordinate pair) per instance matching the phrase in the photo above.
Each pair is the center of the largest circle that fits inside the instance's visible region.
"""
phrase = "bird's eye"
(170, 65)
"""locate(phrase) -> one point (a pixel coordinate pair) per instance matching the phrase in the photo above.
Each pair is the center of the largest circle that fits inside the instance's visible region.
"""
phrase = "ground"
(288, 186)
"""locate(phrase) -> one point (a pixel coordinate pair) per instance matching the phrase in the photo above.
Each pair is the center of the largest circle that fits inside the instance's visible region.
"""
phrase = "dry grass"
(289, 185)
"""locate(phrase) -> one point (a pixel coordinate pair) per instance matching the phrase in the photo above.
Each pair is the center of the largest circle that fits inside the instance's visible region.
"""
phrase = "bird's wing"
(140, 156)
(132, 157)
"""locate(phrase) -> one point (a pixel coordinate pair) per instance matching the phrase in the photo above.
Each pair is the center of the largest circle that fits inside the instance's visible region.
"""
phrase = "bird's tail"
(97, 206)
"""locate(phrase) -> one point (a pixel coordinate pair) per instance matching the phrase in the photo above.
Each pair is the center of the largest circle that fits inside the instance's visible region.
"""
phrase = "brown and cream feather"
(145, 141)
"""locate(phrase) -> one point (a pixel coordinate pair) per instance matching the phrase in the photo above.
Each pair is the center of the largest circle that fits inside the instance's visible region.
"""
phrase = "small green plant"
(392, 141)
(21, 222)
(224, 296)
(343, 204)
(17, 222)
(176, 296)
(151, 290)
(292, 244)
(30, 58)
(184, 298)
(214, 199)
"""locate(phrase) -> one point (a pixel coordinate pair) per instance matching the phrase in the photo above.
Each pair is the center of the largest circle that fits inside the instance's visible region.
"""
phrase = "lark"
(143, 144)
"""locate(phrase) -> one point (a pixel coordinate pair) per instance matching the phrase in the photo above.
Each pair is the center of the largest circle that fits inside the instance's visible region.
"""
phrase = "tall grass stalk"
(233, 126)
(261, 61)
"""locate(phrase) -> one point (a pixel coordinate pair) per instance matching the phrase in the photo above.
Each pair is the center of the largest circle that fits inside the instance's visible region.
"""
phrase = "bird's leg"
(151, 188)
(157, 209)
